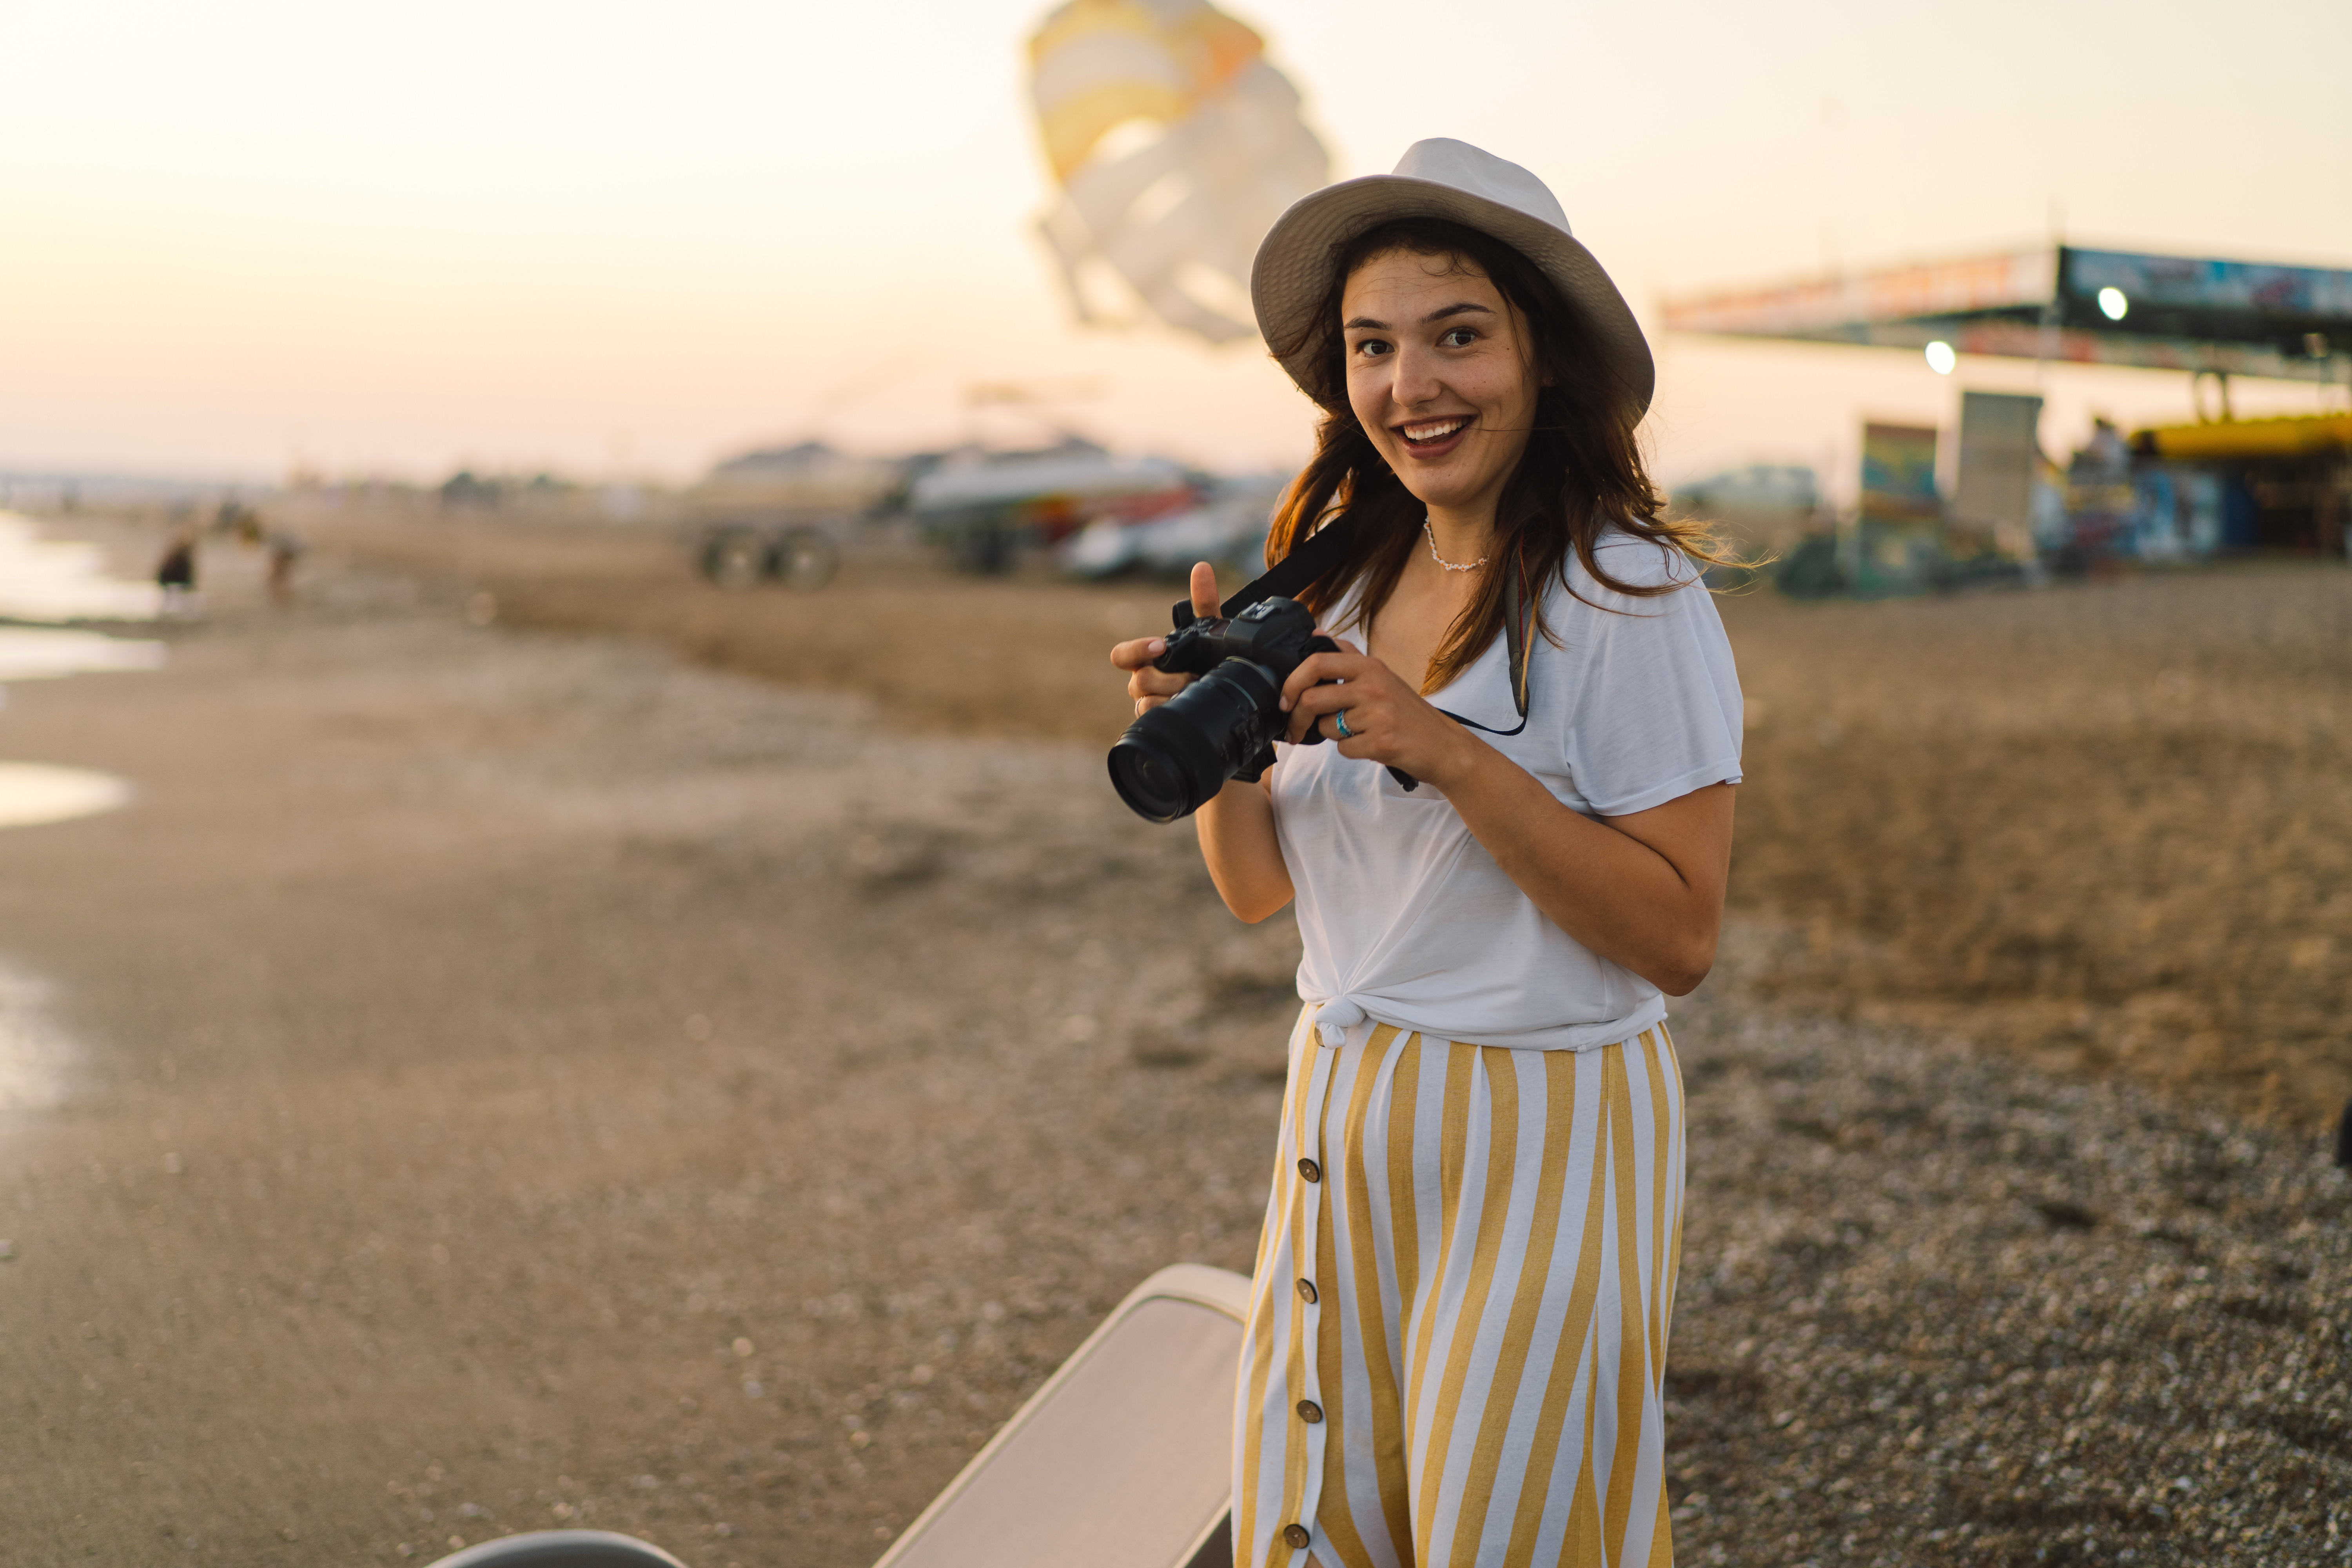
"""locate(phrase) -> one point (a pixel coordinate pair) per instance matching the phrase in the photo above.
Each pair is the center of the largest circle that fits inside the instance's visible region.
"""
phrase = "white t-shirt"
(1408, 920)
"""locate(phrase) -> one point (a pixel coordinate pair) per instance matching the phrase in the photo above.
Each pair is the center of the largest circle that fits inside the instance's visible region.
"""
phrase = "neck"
(1463, 532)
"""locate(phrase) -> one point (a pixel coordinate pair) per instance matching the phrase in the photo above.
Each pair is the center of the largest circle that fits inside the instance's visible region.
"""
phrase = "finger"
(1328, 698)
(1150, 682)
(1321, 716)
(1305, 727)
(1317, 668)
(1318, 705)
(1204, 589)
(1366, 731)
(1136, 654)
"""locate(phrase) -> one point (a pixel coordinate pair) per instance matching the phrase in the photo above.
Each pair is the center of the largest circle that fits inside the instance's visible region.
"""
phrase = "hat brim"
(1292, 272)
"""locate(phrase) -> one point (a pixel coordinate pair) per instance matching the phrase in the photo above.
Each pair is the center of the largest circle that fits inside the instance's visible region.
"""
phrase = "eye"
(1459, 338)
(1372, 348)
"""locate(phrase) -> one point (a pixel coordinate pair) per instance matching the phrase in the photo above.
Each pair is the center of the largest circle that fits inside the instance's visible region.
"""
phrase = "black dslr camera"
(1223, 726)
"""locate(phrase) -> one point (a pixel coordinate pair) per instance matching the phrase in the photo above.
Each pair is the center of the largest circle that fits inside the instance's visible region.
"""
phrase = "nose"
(1415, 377)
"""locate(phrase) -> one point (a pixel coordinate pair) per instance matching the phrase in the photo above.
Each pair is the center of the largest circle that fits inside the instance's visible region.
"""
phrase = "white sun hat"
(1441, 178)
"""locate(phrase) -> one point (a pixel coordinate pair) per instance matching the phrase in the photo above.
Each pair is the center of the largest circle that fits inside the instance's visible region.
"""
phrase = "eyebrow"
(1434, 316)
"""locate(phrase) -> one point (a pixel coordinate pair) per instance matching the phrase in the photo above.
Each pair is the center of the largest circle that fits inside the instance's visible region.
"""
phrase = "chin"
(1443, 490)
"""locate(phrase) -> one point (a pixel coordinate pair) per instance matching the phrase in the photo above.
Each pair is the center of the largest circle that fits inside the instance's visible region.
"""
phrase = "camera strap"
(1308, 563)
(1520, 626)
(1318, 554)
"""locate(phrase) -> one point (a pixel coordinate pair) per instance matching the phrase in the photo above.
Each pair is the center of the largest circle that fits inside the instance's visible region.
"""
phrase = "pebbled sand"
(499, 1053)
(2099, 827)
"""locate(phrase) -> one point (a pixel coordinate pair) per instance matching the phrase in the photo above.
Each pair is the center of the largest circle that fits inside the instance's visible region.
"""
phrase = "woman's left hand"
(1388, 722)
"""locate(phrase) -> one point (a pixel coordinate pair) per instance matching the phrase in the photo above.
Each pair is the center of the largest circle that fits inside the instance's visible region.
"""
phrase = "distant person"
(1458, 1332)
(283, 552)
(175, 574)
(2106, 458)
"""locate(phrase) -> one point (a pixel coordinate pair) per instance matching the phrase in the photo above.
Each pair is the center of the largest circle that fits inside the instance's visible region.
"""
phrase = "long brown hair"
(1582, 472)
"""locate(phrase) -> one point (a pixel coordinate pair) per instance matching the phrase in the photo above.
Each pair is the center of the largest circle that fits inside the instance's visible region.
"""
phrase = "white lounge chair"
(1124, 1459)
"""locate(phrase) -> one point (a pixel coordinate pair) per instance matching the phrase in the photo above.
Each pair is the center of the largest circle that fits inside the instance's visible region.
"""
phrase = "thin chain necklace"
(1441, 561)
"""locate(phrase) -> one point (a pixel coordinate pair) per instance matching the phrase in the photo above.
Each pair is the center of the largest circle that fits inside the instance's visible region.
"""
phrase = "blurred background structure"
(2174, 493)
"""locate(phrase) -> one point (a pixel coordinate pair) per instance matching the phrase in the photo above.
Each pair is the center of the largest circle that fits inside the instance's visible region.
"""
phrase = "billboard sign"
(1898, 474)
(2000, 448)
(2179, 296)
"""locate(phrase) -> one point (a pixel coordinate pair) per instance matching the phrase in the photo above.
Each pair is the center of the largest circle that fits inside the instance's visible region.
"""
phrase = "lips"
(1434, 437)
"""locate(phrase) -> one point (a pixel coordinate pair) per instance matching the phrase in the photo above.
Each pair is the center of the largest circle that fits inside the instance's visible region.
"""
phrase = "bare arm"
(1235, 826)
(1245, 858)
(1645, 890)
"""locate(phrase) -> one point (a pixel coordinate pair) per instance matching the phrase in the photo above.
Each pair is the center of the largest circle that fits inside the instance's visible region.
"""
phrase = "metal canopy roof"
(2232, 318)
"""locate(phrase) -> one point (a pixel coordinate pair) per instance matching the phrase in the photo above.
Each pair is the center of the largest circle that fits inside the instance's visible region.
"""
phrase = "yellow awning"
(2284, 438)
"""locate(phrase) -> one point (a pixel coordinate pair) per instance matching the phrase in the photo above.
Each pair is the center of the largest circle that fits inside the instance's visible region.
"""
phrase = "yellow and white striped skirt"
(1458, 1332)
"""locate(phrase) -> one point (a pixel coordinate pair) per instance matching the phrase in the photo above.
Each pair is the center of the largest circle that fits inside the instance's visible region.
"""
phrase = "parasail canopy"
(1175, 146)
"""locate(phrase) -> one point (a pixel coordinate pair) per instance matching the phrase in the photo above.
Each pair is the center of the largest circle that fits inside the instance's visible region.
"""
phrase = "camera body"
(1278, 634)
(1175, 758)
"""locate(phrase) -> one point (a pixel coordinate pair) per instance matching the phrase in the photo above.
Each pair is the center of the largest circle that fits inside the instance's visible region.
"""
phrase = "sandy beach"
(518, 1074)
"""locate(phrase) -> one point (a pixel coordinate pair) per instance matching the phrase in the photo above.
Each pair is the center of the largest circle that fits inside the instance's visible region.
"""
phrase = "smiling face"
(1441, 376)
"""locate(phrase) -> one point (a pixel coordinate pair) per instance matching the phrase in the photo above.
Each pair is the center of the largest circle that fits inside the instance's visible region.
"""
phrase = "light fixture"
(2112, 304)
(1940, 357)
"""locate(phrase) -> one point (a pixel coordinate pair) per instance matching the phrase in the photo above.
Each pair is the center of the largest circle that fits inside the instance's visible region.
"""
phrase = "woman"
(1457, 1335)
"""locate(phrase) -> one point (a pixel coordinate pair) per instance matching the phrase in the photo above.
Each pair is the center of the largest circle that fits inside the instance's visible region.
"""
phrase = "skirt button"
(1294, 1536)
(1309, 1412)
(1310, 1170)
(1306, 1292)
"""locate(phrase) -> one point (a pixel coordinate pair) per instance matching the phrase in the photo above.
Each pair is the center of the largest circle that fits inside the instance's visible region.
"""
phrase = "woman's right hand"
(1236, 823)
(1150, 687)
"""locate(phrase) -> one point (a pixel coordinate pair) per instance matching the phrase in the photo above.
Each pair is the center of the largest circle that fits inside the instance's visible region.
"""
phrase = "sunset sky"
(625, 240)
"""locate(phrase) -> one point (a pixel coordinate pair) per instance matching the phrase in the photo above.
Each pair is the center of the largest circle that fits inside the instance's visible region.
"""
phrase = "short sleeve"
(1656, 709)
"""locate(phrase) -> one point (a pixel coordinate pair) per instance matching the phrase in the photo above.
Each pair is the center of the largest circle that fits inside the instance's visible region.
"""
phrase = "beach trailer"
(780, 514)
(985, 506)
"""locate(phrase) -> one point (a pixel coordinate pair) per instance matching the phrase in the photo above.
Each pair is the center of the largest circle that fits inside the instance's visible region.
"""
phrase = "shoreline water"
(35, 1054)
(37, 795)
(48, 580)
(47, 585)
(53, 582)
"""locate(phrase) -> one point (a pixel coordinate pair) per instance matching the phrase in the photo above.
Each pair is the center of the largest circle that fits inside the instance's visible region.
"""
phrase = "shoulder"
(1605, 633)
(1637, 563)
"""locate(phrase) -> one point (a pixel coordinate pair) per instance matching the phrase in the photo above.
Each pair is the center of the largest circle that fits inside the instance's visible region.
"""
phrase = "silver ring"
(1345, 733)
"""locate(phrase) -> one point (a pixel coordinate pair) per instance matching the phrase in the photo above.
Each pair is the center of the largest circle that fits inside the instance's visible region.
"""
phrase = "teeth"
(1436, 432)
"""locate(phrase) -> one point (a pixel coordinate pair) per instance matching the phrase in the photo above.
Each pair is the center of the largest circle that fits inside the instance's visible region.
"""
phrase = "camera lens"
(1149, 788)
(1172, 760)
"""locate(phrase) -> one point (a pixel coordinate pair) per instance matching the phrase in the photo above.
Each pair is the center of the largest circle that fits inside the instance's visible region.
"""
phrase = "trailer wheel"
(985, 549)
(804, 559)
(734, 558)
